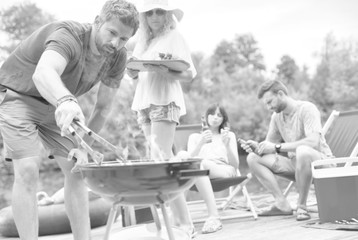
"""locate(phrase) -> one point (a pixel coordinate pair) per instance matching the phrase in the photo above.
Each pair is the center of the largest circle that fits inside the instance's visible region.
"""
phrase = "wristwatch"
(278, 148)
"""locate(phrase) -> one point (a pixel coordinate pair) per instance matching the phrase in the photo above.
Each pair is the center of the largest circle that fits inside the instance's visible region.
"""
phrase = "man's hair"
(124, 11)
(273, 86)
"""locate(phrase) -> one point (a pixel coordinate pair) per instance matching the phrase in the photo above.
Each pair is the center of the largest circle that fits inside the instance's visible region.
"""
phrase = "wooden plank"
(268, 228)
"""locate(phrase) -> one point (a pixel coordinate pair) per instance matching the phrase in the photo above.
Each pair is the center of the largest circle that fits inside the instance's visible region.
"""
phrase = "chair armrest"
(220, 184)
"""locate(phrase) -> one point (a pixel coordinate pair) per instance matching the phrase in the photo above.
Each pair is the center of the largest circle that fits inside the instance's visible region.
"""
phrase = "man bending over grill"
(40, 83)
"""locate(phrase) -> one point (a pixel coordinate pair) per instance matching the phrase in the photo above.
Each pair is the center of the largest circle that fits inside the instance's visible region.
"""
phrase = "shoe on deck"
(275, 211)
(211, 225)
(302, 214)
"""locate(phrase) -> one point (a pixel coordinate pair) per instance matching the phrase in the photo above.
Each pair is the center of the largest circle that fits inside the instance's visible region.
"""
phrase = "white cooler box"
(336, 188)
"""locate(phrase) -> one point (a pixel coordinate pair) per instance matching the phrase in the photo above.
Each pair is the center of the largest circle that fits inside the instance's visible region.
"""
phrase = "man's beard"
(104, 50)
(280, 107)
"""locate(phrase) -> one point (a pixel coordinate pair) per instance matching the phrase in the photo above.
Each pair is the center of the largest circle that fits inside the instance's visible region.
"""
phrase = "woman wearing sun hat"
(158, 98)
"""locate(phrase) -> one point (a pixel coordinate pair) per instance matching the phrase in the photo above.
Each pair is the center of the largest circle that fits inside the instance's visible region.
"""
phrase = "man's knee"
(305, 155)
(26, 173)
(252, 159)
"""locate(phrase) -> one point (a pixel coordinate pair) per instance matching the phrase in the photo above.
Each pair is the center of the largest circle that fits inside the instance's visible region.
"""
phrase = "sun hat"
(148, 5)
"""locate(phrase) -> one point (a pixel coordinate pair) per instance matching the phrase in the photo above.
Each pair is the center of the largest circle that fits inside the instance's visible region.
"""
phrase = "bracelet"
(65, 99)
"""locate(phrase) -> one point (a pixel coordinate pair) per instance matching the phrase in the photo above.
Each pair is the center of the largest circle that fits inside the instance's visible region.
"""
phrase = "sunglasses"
(158, 12)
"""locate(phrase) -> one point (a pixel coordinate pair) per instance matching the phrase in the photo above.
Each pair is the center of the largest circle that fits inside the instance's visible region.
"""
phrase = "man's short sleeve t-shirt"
(304, 120)
(72, 41)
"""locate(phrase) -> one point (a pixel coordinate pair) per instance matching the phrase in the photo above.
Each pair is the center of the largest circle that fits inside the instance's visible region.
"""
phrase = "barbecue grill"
(142, 183)
(139, 182)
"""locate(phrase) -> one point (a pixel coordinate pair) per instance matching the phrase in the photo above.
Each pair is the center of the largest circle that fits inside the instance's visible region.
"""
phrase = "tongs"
(96, 156)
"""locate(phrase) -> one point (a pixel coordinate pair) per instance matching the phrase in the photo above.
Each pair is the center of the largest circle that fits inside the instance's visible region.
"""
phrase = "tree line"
(229, 76)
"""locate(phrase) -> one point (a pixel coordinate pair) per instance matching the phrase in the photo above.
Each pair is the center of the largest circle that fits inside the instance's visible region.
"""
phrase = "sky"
(281, 27)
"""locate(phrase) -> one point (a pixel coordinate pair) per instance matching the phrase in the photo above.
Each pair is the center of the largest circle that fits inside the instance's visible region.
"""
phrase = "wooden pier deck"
(244, 228)
(268, 228)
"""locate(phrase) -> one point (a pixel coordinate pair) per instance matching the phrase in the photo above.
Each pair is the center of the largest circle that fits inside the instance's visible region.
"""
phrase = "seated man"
(295, 129)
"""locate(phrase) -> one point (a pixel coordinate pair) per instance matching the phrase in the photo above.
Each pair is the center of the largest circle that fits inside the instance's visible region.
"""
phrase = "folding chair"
(180, 143)
(341, 133)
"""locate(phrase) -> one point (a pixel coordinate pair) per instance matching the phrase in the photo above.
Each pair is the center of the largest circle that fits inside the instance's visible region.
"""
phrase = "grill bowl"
(142, 182)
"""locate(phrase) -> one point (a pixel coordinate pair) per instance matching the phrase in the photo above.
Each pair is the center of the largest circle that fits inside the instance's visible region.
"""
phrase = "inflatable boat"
(53, 218)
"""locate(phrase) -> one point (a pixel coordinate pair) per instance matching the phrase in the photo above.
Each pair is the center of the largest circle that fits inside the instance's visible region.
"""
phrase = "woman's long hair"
(145, 33)
(212, 110)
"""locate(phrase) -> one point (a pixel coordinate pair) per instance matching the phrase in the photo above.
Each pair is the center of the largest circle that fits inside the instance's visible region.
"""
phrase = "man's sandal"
(302, 214)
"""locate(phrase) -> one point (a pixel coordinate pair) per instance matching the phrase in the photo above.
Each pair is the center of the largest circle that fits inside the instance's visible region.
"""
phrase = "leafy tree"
(20, 20)
(242, 52)
(295, 78)
(230, 77)
(226, 55)
(201, 66)
(287, 69)
(336, 79)
(236, 91)
(318, 91)
(249, 53)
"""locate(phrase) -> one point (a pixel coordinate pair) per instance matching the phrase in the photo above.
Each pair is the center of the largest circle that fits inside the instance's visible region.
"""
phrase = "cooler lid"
(335, 167)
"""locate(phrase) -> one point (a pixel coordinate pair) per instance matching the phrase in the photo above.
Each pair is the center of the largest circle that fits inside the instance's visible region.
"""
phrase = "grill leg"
(110, 220)
(167, 222)
(128, 216)
(156, 217)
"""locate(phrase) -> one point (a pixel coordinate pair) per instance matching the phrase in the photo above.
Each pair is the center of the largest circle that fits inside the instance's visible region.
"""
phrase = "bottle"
(204, 124)
(224, 132)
